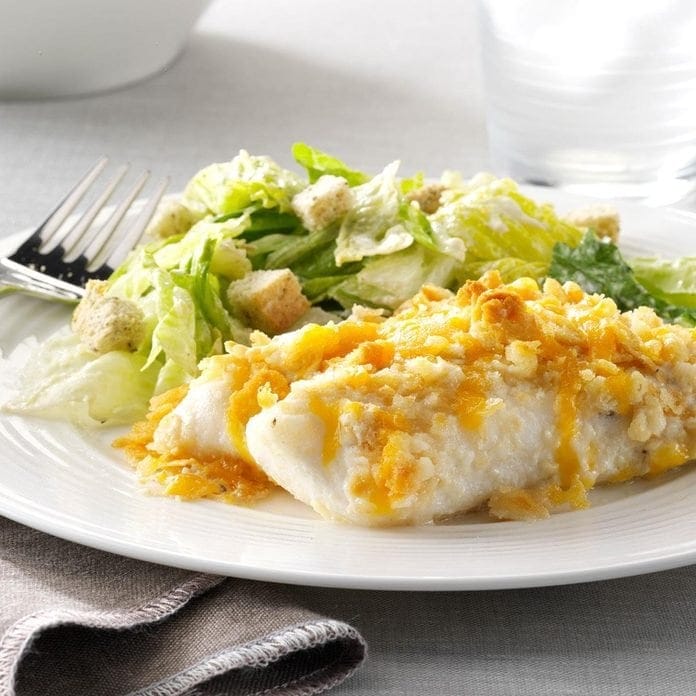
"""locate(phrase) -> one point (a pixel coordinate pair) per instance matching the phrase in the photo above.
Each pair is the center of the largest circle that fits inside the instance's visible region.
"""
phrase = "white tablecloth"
(370, 82)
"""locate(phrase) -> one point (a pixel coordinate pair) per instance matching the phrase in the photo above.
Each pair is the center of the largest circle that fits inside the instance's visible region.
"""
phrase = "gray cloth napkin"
(75, 621)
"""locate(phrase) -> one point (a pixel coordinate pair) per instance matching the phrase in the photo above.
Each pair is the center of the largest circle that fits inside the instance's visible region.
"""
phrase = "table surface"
(370, 82)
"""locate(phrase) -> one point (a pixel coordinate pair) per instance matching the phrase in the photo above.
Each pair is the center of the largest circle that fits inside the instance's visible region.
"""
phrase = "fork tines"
(75, 249)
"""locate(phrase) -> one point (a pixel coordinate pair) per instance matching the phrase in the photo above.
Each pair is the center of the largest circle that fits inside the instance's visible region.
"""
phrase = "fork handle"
(17, 278)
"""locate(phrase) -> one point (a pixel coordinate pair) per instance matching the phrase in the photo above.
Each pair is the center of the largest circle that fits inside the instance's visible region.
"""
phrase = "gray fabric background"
(75, 621)
(370, 82)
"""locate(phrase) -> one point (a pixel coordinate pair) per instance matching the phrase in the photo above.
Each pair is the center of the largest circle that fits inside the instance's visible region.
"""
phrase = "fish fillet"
(514, 397)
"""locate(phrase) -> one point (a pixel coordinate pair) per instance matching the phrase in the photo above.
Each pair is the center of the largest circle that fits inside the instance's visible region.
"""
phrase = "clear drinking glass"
(595, 96)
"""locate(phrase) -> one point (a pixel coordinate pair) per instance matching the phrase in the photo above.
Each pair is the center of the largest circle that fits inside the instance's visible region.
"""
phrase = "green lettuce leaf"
(372, 227)
(388, 281)
(496, 221)
(418, 226)
(671, 280)
(597, 266)
(174, 331)
(177, 252)
(293, 249)
(321, 288)
(247, 181)
(318, 163)
(180, 287)
(62, 379)
(322, 262)
(412, 183)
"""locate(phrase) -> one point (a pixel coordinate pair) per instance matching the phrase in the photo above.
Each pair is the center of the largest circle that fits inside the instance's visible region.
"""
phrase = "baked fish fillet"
(510, 396)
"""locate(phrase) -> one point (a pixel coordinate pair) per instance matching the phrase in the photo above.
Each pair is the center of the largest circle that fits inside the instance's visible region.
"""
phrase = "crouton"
(271, 301)
(171, 217)
(106, 323)
(602, 218)
(324, 202)
(427, 197)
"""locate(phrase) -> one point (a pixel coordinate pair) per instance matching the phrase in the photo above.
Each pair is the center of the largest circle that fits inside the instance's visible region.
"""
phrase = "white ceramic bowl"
(71, 47)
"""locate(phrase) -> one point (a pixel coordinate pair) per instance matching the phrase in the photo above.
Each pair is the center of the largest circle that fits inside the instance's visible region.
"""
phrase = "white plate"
(70, 483)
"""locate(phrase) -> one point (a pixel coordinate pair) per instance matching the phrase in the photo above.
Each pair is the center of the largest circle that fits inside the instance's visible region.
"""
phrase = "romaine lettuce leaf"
(60, 378)
(597, 266)
(418, 225)
(294, 248)
(496, 221)
(321, 262)
(177, 252)
(673, 280)
(229, 260)
(372, 227)
(181, 296)
(320, 288)
(388, 281)
(318, 163)
(264, 222)
(247, 181)
(174, 332)
(412, 183)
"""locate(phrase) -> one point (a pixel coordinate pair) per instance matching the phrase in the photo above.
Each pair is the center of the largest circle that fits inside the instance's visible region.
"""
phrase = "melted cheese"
(328, 414)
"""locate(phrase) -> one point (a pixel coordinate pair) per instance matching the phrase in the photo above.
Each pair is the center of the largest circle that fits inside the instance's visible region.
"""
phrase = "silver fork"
(58, 258)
